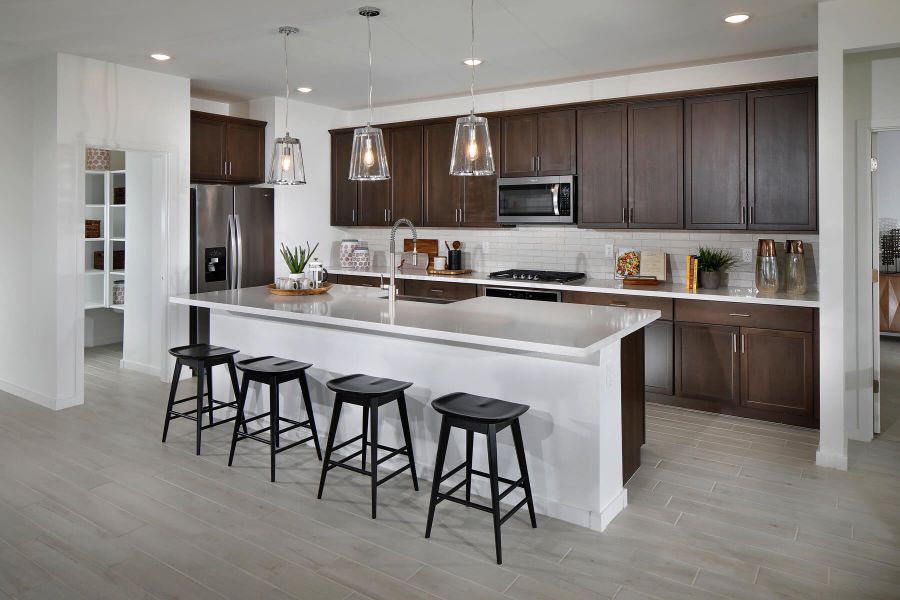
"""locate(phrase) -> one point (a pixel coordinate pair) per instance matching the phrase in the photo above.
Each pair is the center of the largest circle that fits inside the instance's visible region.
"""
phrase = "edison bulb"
(368, 155)
(286, 162)
(472, 147)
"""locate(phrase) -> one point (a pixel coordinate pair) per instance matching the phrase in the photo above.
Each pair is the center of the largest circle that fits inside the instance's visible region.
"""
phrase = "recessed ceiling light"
(735, 19)
(160, 56)
(304, 90)
(472, 62)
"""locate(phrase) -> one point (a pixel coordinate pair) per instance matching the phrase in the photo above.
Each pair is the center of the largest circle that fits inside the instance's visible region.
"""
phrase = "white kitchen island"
(579, 368)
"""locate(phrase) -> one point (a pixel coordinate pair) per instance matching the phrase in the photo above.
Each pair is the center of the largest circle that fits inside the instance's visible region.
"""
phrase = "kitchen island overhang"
(578, 368)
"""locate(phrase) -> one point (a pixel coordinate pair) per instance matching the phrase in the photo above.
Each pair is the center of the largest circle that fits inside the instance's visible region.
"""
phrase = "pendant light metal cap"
(286, 167)
(368, 159)
(472, 153)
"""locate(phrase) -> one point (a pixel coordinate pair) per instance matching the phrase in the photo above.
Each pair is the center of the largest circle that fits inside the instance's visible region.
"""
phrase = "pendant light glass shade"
(368, 159)
(286, 167)
(472, 154)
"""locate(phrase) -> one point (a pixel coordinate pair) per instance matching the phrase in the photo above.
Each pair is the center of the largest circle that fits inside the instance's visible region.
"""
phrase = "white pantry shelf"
(99, 193)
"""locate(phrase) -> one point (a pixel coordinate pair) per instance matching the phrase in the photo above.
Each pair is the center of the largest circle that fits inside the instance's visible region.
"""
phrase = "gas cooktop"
(544, 276)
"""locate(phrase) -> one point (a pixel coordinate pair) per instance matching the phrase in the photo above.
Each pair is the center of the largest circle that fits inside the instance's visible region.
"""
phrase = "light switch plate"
(609, 250)
(747, 255)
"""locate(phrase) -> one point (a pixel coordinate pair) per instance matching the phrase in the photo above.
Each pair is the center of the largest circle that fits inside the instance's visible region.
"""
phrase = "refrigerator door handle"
(239, 238)
(232, 254)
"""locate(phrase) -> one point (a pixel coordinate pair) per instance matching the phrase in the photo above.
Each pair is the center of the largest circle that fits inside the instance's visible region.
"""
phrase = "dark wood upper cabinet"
(715, 174)
(407, 155)
(443, 191)
(343, 190)
(777, 371)
(707, 363)
(556, 143)
(781, 156)
(227, 149)
(656, 165)
(520, 146)
(374, 204)
(602, 185)
(480, 192)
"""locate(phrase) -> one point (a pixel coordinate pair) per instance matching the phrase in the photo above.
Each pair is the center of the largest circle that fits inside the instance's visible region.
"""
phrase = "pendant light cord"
(287, 87)
(472, 55)
(369, 27)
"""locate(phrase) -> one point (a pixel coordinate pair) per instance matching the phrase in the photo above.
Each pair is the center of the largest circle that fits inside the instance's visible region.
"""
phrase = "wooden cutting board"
(427, 246)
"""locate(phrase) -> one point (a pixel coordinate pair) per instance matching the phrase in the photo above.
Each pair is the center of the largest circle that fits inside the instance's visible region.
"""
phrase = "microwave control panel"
(565, 199)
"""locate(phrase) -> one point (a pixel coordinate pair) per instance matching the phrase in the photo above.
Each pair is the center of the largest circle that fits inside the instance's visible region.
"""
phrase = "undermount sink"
(421, 299)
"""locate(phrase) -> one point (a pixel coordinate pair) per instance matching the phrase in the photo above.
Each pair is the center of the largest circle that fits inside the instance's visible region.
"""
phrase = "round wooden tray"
(307, 292)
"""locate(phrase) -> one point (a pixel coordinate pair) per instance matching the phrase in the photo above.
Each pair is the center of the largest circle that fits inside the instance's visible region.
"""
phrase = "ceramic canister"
(347, 248)
(361, 259)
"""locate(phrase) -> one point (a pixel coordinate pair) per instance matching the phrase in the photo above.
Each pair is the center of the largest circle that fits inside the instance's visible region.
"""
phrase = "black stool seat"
(201, 352)
(273, 371)
(478, 408)
(366, 385)
(272, 366)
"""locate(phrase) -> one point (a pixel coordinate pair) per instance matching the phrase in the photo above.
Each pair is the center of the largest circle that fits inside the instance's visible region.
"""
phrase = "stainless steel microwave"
(536, 200)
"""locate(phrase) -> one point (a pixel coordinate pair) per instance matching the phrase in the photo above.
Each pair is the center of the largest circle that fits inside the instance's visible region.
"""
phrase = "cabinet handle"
(743, 209)
(734, 343)
(743, 337)
(390, 215)
(625, 214)
(353, 215)
(534, 163)
(738, 315)
(631, 214)
(751, 214)
(436, 291)
(539, 164)
(619, 304)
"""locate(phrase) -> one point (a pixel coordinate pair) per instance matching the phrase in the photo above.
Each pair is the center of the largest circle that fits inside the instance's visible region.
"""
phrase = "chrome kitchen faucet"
(391, 288)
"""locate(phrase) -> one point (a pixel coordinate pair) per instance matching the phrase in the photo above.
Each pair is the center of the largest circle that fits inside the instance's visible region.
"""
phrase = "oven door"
(535, 200)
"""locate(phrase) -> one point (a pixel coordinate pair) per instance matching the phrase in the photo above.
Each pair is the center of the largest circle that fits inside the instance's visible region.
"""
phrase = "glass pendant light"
(472, 153)
(368, 159)
(286, 167)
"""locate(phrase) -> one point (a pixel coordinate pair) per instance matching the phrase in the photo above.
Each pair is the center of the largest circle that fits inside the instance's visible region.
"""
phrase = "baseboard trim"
(833, 461)
(600, 520)
(39, 399)
(140, 367)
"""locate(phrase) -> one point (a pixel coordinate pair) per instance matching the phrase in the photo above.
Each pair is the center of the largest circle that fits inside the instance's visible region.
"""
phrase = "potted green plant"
(713, 261)
(296, 260)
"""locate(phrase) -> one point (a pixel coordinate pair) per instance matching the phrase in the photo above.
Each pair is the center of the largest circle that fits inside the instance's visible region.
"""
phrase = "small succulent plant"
(715, 259)
(297, 258)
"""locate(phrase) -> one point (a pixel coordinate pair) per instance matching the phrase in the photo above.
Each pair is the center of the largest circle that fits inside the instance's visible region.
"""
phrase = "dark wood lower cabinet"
(633, 423)
(446, 290)
(707, 364)
(777, 371)
(659, 357)
(362, 280)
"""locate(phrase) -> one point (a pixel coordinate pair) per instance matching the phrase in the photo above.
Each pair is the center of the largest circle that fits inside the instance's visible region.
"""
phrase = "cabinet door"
(518, 157)
(446, 290)
(480, 196)
(374, 201)
(343, 190)
(443, 191)
(715, 174)
(777, 371)
(889, 303)
(602, 196)
(656, 164)
(245, 152)
(407, 154)
(207, 148)
(782, 159)
(556, 143)
(707, 363)
(659, 348)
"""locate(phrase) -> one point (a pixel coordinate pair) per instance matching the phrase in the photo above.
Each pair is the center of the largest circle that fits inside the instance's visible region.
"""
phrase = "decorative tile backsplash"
(567, 248)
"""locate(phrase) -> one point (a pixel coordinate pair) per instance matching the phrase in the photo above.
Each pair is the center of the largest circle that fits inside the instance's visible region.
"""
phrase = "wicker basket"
(98, 260)
(96, 159)
(91, 228)
(119, 195)
(118, 260)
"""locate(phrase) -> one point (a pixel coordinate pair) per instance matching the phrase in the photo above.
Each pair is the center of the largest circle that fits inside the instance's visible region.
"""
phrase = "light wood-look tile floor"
(93, 506)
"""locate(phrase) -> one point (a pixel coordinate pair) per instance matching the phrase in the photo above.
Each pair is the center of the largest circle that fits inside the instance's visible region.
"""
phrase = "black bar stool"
(477, 414)
(273, 371)
(370, 393)
(201, 358)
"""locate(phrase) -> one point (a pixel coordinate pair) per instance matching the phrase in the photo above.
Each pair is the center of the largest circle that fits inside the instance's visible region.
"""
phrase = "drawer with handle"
(762, 316)
(361, 280)
(439, 289)
(664, 305)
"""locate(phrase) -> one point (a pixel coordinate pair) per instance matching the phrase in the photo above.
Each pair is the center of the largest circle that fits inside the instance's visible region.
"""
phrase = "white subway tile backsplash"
(570, 249)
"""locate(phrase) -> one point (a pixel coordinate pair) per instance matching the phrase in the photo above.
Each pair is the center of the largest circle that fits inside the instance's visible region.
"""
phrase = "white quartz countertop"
(613, 286)
(574, 330)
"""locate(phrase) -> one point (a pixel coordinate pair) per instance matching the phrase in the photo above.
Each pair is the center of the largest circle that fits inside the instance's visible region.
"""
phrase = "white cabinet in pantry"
(104, 199)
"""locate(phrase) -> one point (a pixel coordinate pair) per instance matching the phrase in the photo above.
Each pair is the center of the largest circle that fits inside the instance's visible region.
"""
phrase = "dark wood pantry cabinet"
(538, 144)
(656, 165)
(344, 192)
(374, 197)
(407, 156)
(602, 184)
(227, 149)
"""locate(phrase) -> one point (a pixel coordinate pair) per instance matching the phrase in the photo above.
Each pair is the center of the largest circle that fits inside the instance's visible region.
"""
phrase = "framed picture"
(628, 262)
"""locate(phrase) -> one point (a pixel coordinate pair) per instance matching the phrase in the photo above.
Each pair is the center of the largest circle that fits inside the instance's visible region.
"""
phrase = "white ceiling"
(230, 48)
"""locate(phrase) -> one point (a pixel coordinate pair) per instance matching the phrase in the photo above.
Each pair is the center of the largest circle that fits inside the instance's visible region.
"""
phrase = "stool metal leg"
(374, 448)
(329, 444)
(523, 468)
(209, 393)
(232, 371)
(172, 391)
(438, 472)
(404, 421)
(201, 375)
(307, 401)
(273, 424)
(470, 441)
(365, 433)
(495, 487)
(239, 417)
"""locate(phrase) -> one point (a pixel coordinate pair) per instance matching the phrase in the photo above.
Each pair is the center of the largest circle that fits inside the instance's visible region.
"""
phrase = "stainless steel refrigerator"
(232, 243)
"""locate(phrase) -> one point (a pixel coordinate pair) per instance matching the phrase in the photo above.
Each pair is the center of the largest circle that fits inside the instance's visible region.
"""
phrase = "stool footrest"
(192, 414)
(513, 485)
(393, 452)
(347, 443)
(292, 444)
(343, 464)
(205, 395)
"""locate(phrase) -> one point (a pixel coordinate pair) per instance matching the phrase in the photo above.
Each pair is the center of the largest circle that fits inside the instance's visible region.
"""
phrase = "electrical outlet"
(485, 247)
(747, 255)
(609, 250)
